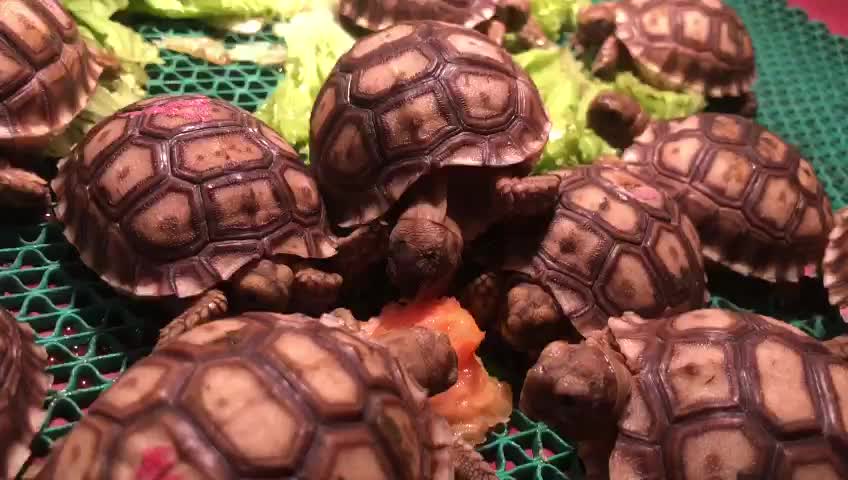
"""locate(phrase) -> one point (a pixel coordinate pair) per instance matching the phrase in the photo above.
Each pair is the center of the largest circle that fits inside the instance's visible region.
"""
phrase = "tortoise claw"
(22, 189)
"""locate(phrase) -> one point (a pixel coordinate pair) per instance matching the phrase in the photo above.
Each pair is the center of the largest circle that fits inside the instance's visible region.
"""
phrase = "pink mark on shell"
(155, 464)
(810, 270)
(198, 109)
(646, 193)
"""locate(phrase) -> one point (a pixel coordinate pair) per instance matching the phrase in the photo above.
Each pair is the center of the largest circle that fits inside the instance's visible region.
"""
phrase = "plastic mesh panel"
(245, 84)
(93, 335)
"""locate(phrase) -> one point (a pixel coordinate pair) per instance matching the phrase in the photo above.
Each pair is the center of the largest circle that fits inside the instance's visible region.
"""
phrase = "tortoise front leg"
(264, 285)
(22, 189)
(606, 61)
(528, 196)
(532, 318)
(210, 306)
(531, 35)
(314, 290)
(361, 249)
(495, 30)
(469, 464)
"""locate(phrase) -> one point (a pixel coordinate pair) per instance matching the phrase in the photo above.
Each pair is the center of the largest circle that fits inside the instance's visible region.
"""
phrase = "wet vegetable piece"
(478, 401)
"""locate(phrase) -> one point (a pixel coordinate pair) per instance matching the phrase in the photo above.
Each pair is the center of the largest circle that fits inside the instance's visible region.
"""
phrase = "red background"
(833, 13)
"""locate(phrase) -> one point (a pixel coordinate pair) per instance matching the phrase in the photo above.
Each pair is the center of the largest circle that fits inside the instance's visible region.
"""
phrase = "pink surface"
(833, 13)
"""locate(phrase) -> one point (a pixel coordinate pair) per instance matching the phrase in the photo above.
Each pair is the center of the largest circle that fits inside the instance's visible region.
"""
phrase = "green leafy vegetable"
(121, 41)
(311, 57)
(246, 16)
(555, 16)
(567, 89)
(111, 95)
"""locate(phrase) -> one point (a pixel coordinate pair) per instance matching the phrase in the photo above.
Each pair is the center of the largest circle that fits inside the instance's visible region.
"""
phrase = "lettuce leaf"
(567, 89)
(227, 14)
(311, 57)
(556, 16)
(124, 43)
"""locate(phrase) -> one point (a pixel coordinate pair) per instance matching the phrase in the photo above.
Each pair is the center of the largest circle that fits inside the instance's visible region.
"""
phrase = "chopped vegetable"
(567, 89)
(477, 401)
(311, 57)
(214, 51)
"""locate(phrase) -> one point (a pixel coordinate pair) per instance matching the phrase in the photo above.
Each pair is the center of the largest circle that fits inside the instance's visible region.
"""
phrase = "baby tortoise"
(23, 389)
(177, 196)
(614, 243)
(494, 17)
(48, 76)
(757, 203)
(271, 396)
(415, 125)
(699, 45)
(707, 394)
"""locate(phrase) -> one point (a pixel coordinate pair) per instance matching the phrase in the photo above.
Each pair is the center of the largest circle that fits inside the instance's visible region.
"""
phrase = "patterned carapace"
(260, 396)
(413, 98)
(47, 73)
(718, 392)
(697, 44)
(23, 387)
(758, 205)
(380, 14)
(175, 194)
(615, 244)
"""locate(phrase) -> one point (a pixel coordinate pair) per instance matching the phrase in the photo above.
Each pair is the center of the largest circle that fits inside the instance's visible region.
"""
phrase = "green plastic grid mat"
(92, 335)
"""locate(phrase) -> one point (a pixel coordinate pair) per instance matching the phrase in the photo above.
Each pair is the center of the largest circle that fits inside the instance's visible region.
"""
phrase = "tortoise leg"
(358, 251)
(532, 36)
(606, 61)
(425, 245)
(532, 318)
(315, 291)
(528, 196)
(469, 464)
(266, 285)
(838, 346)
(22, 189)
(210, 306)
(495, 30)
(482, 298)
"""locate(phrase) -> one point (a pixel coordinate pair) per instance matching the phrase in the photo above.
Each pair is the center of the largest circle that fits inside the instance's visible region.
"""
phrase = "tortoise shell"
(379, 14)
(48, 72)
(260, 396)
(722, 394)
(614, 244)
(412, 99)
(23, 389)
(173, 195)
(693, 44)
(758, 205)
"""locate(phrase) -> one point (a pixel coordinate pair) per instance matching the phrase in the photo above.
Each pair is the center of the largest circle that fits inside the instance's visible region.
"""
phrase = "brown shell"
(260, 396)
(48, 72)
(835, 263)
(380, 14)
(693, 44)
(23, 389)
(414, 98)
(614, 244)
(723, 394)
(758, 205)
(174, 194)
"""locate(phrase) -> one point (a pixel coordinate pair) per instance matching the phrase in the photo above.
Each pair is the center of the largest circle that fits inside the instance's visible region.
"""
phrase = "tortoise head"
(595, 24)
(424, 255)
(580, 390)
(617, 118)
